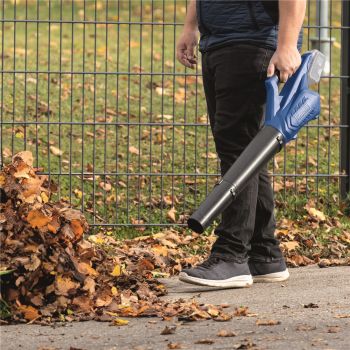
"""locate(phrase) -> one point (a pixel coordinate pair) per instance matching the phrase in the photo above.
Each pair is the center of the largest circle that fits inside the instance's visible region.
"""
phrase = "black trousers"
(233, 78)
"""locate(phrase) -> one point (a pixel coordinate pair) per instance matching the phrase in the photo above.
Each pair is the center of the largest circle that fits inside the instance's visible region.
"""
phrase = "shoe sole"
(242, 281)
(272, 277)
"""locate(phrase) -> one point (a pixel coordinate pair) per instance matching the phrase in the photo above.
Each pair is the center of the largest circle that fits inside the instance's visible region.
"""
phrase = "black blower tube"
(264, 146)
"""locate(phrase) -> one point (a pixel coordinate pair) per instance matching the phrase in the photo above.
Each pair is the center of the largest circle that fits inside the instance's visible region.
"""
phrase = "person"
(241, 44)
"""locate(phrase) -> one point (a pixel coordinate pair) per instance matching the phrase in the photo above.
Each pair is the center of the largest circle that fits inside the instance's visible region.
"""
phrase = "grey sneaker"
(216, 272)
(274, 271)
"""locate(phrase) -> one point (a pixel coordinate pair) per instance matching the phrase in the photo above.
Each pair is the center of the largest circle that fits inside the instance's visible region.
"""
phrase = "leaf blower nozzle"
(286, 113)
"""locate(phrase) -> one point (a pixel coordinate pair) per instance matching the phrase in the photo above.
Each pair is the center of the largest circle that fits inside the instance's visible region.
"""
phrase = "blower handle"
(309, 72)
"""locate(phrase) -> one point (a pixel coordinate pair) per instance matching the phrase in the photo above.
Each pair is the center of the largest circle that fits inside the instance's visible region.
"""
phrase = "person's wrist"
(190, 28)
(286, 47)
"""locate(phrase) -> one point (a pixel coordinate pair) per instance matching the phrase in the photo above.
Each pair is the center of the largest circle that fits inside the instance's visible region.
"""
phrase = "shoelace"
(210, 262)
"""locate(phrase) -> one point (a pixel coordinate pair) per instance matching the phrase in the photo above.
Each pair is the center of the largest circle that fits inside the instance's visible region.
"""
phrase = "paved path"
(299, 328)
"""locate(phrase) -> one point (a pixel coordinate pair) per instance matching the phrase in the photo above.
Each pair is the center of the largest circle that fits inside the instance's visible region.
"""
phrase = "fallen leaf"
(120, 322)
(267, 322)
(56, 151)
(174, 346)
(205, 341)
(305, 328)
(311, 306)
(225, 333)
(116, 271)
(105, 186)
(291, 245)
(333, 329)
(2, 180)
(160, 250)
(171, 214)
(29, 312)
(134, 150)
(342, 316)
(22, 171)
(247, 344)
(77, 228)
(64, 285)
(315, 213)
(37, 219)
(26, 156)
(168, 330)
(241, 311)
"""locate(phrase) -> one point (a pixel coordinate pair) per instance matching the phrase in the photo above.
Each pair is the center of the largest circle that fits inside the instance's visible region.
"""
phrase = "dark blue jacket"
(236, 21)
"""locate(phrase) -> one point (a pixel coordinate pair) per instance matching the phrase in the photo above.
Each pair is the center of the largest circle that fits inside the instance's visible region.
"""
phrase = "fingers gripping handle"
(272, 99)
(295, 105)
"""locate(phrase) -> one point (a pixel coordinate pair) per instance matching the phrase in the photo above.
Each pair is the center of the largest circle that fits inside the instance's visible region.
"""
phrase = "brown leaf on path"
(334, 262)
(305, 327)
(174, 346)
(205, 341)
(246, 344)
(311, 306)
(213, 311)
(168, 330)
(342, 316)
(333, 329)
(224, 333)
(241, 311)
(120, 322)
(267, 322)
(223, 317)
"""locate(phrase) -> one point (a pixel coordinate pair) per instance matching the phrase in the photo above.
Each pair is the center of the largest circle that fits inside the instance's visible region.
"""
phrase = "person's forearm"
(291, 17)
(191, 17)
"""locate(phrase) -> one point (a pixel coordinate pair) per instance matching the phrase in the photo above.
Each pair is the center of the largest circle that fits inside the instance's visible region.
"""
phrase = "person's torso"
(250, 21)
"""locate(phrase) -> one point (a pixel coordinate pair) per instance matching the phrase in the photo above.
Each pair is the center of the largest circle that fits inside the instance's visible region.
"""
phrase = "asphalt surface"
(324, 324)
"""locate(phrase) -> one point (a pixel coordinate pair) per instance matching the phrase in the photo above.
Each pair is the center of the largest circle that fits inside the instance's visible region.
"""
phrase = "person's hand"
(286, 60)
(185, 49)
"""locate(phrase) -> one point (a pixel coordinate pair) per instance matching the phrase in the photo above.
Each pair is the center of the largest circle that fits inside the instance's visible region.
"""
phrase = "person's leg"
(240, 96)
(264, 244)
(235, 94)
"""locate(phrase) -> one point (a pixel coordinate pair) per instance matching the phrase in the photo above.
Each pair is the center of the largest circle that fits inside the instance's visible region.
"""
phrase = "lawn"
(93, 89)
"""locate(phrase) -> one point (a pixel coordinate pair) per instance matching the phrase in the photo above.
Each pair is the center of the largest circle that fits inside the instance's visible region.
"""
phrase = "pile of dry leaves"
(50, 272)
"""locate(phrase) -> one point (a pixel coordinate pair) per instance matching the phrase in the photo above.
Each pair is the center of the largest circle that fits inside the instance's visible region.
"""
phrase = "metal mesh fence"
(94, 90)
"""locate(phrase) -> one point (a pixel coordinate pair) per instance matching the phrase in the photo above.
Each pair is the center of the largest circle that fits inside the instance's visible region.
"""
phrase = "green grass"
(168, 145)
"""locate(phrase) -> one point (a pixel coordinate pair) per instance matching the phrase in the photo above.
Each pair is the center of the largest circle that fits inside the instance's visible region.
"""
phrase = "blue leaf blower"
(286, 113)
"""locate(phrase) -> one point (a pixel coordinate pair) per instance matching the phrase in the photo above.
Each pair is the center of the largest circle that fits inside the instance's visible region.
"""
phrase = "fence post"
(322, 41)
(345, 102)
